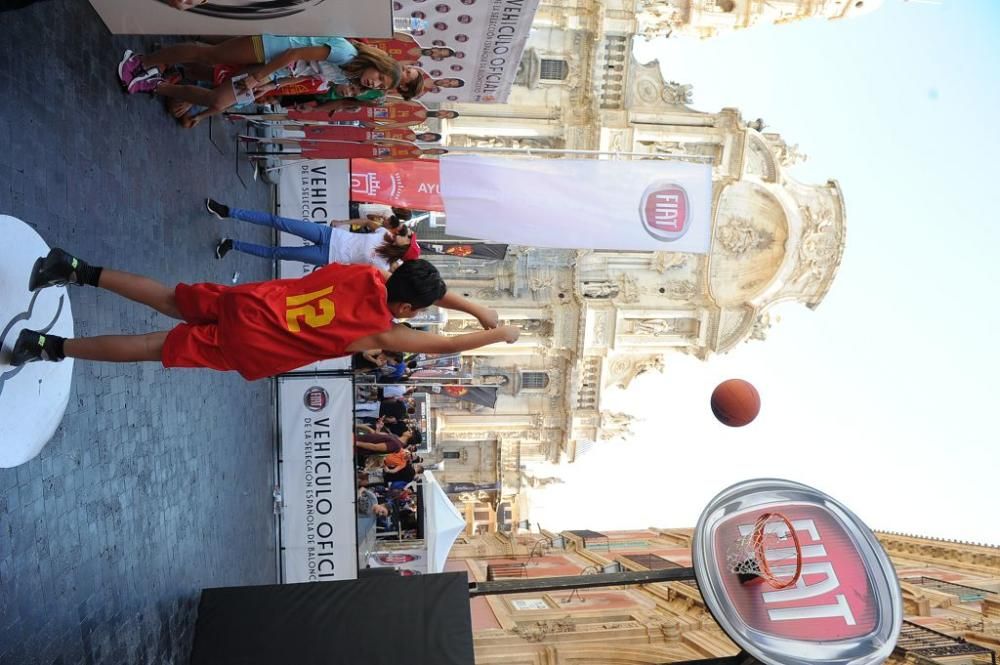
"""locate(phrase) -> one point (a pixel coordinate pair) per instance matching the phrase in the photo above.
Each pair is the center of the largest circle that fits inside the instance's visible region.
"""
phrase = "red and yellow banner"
(412, 184)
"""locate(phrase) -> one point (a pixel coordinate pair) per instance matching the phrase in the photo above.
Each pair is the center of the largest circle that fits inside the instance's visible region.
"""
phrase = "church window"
(554, 70)
(534, 380)
(452, 454)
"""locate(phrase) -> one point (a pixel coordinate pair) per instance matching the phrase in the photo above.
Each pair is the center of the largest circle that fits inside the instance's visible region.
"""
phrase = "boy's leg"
(142, 290)
(117, 348)
(33, 345)
(59, 268)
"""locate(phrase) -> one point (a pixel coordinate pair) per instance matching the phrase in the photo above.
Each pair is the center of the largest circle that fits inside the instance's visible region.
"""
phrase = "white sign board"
(372, 18)
(318, 522)
(488, 37)
(317, 190)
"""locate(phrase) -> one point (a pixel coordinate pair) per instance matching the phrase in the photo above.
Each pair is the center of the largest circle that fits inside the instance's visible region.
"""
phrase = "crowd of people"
(387, 439)
(324, 74)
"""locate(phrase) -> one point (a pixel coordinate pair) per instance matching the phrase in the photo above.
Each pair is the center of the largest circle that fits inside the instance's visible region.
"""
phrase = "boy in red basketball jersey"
(265, 328)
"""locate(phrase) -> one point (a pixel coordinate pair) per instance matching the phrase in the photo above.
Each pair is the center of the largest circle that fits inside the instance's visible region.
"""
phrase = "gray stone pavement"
(158, 482)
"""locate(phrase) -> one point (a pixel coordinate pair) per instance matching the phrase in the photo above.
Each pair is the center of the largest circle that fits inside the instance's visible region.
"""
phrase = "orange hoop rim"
(760, 551)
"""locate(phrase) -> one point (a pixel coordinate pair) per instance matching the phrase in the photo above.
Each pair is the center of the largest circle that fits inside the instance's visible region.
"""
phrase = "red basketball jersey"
(273, 327)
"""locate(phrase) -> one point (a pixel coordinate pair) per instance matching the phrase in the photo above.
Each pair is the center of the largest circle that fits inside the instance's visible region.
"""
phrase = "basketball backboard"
(844, 607)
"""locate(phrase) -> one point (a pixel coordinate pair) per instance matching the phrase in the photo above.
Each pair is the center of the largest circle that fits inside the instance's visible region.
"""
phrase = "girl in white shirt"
(331, 244)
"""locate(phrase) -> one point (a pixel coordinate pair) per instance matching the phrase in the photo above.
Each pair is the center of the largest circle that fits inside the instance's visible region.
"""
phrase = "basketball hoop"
(772, 541)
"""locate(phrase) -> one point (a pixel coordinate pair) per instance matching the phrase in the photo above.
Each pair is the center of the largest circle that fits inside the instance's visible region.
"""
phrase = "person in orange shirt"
(396, 462)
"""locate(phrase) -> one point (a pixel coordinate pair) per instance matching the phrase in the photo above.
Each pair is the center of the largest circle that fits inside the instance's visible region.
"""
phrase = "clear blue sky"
(886, 396)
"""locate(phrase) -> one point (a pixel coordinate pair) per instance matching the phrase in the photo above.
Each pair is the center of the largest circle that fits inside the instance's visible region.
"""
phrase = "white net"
(770, 541)
(741, 558)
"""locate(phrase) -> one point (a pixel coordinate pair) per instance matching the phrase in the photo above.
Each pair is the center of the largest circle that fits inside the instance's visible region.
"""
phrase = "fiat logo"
(316, 399)
(664, 211)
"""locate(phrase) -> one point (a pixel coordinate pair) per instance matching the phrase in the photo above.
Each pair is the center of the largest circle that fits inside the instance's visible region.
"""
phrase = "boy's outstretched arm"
(403, 338)
(487, 317)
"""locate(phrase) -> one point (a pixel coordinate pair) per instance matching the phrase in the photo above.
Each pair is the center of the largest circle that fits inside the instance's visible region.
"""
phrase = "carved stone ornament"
(600, 329)
(536, 631)
(681, 289)
(738, 235)
(601, 290)
(540, 283)
(664, 261)
(819, 246)
(614, 432)
(789, 155)
(490, 294)
(652, 327)
(616, 419)
(677, 94)
(647, 91)
(760, 327)
(637, 367)
(630, 288)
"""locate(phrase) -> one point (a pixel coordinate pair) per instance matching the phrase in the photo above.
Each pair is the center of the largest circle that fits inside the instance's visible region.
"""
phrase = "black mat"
(421, 620)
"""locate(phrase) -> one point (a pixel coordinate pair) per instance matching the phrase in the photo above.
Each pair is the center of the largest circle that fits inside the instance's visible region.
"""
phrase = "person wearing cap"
(330, 243)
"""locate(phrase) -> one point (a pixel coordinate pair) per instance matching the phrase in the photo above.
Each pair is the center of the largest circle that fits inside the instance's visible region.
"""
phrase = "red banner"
(414, 184)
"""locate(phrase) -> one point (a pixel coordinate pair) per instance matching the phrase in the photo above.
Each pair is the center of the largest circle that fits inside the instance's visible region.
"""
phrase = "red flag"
(413, 184)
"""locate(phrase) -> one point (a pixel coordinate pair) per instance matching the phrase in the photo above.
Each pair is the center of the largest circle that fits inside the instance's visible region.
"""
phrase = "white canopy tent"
(443, 523)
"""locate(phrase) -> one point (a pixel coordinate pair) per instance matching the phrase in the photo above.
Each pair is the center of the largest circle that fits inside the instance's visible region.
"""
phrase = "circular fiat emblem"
(316, 398)
(664, 211)
(839, 602)
(33, 396)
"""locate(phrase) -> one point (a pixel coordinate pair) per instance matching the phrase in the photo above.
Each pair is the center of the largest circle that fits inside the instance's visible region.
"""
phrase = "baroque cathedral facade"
(592, 320)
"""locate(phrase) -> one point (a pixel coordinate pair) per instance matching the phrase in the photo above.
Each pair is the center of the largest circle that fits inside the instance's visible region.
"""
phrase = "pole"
(580, 581)
(566, 151)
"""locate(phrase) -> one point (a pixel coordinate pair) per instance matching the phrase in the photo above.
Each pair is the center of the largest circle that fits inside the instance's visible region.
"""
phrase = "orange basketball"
(735, 402)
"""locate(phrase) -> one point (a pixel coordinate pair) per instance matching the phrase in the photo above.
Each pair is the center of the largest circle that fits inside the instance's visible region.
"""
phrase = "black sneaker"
(57, 269)
(31, 346)
(224, 247)
(219, 210)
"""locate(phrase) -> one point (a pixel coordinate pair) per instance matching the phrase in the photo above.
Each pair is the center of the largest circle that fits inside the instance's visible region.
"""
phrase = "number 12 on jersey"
(310, 309)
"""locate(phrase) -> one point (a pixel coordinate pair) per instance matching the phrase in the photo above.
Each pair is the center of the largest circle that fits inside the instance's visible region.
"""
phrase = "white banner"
(372, 18)
(316, 191)
(488, 37)
(653, 205)
(318, 522)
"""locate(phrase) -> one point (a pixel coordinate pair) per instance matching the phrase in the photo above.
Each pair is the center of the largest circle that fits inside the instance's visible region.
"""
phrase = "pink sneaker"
(147, 82)
(129, 67)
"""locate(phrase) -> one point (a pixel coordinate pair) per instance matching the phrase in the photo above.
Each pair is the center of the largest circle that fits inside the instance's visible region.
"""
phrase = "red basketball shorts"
(195, 343)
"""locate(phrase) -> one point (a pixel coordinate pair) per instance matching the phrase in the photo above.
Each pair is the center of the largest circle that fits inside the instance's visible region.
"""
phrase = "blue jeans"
(318, 254)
